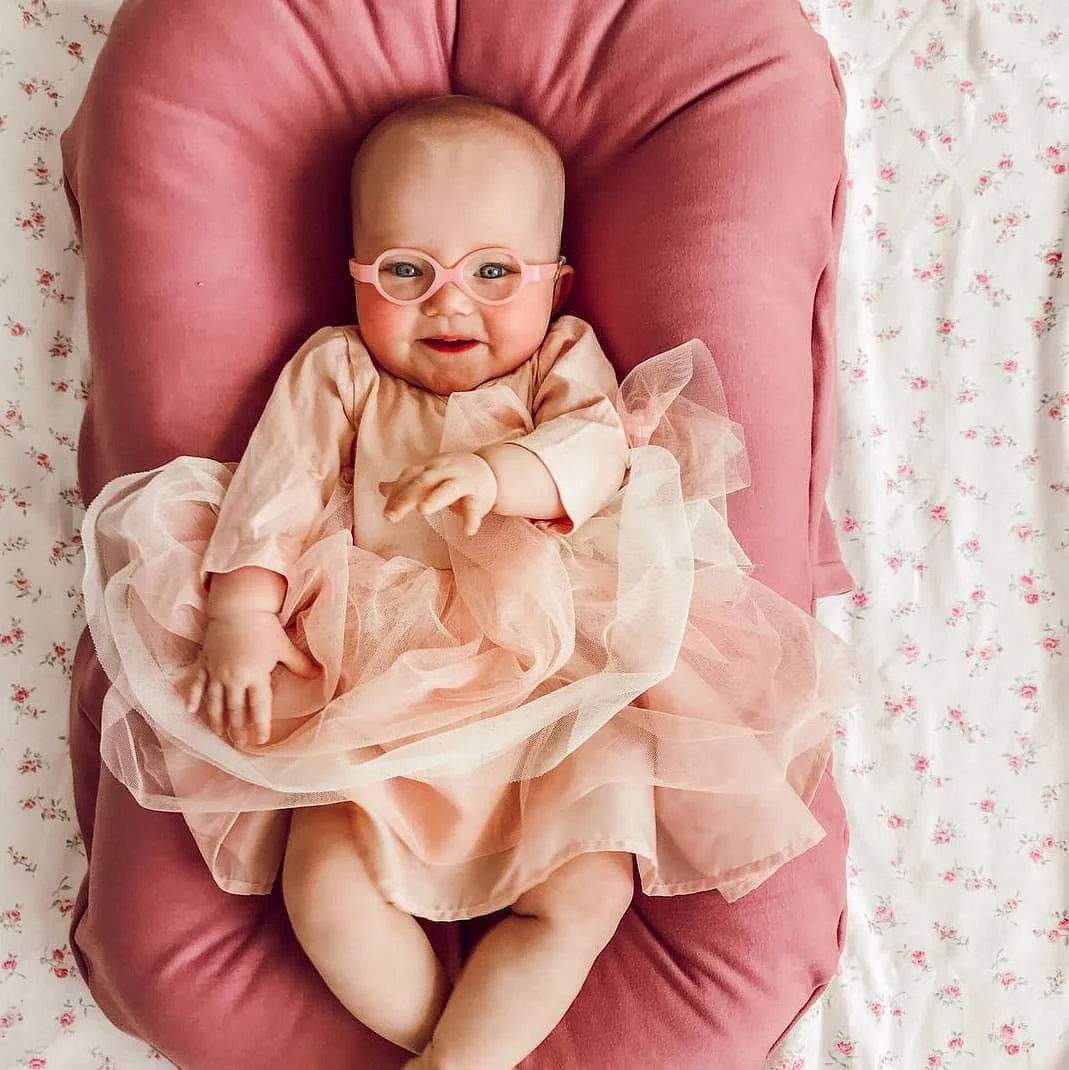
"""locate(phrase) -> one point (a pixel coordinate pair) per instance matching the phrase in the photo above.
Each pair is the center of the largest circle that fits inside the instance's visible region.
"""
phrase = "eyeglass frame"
(369, 273)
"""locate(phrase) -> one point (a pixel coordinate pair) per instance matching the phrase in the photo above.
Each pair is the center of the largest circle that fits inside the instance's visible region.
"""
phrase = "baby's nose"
(450, 300)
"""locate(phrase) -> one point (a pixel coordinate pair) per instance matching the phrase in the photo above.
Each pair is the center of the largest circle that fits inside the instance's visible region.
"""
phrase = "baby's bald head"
(458, 149)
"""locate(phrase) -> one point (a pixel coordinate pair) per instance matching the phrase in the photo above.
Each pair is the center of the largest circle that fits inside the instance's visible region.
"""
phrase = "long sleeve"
(297, 452)
(577, 432)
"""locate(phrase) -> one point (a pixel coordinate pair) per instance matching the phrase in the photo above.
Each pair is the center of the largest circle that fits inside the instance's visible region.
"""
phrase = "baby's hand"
(462, 480)
(234, 677)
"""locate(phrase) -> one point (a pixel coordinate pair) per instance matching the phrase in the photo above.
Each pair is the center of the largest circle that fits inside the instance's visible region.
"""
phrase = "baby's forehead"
(451, 127)
(458, 170)
(418, 150)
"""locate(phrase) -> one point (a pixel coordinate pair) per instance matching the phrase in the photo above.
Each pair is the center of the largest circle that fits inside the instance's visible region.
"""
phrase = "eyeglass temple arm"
(538, 272)
(362, 272)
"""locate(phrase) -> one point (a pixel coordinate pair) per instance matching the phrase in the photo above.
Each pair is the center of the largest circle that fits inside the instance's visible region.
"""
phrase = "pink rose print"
(947, 490)
(888, 174)
(910, 650)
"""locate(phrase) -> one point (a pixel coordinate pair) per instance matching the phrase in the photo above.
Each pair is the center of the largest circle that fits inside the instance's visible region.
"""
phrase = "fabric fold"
(533, 694)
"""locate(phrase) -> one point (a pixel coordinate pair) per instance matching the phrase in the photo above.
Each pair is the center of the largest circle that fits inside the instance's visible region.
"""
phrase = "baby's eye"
(404, 269)
(493, 271)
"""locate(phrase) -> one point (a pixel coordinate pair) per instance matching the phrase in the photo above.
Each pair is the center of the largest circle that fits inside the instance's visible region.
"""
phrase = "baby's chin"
(451, 374)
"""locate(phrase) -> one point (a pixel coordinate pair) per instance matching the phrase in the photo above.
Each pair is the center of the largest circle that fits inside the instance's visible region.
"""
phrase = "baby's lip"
(449, 343)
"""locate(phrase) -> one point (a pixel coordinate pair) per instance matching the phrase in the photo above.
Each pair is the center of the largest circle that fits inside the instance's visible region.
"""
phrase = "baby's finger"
(215, 707)
(196, 690)
(447, 492)
(473, 518)
(396, 499)
(235, 715)
(297, 661)
(393, 487)
(405, 498)
(260, 704)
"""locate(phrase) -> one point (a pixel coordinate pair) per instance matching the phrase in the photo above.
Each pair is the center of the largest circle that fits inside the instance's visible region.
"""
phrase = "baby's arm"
(504, 478)
(567, 468)
(578, 435)
(250, 589)
(243, 642)
(294, 459)
(524, 484)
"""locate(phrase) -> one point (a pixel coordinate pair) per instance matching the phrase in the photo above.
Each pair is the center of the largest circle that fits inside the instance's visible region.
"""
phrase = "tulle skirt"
(624, 687)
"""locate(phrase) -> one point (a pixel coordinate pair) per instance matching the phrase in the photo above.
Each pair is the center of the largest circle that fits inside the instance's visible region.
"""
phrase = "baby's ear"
(563, 286)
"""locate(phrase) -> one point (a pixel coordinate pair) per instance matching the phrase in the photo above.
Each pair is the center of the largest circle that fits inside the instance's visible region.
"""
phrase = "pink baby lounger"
(208, 169)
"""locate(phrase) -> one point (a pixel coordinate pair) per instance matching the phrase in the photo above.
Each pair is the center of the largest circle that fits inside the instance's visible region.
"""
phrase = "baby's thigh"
(322, 865)
(590, 891)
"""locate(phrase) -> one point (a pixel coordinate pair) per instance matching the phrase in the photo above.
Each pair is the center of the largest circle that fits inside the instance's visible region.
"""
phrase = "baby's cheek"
(519, 332)
(385, 327)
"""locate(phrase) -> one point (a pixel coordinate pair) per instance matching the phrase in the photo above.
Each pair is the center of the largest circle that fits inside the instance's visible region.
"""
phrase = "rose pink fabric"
(207, 168)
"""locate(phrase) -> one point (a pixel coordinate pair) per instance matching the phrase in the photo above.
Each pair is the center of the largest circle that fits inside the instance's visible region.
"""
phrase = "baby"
(460, 183)
(474, 624)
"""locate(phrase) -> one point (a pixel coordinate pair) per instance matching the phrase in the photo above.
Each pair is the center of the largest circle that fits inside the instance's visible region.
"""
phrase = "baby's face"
(448, 197)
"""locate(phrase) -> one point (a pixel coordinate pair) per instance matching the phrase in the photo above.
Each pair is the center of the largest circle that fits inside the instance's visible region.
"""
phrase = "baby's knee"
(590, 893)
(608, 885)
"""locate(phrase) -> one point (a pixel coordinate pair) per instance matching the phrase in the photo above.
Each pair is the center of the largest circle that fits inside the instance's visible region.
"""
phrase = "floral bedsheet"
(951, 491)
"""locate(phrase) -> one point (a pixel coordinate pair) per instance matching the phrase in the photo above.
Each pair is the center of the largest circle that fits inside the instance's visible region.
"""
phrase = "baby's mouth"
(447, 343)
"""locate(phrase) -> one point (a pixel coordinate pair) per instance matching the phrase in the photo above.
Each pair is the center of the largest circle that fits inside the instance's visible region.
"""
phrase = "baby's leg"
(523, 977)
(375, 958)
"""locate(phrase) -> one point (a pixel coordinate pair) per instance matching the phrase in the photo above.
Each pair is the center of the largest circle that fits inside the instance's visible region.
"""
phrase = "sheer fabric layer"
(626, 686)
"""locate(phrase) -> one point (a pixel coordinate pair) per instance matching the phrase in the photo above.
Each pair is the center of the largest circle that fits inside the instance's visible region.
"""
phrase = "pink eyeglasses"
(489, 276)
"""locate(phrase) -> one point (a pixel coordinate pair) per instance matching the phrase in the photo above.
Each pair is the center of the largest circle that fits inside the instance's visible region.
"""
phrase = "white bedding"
(951, 489)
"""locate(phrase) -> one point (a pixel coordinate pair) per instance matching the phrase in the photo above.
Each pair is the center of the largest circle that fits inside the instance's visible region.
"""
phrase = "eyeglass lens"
(489, 276)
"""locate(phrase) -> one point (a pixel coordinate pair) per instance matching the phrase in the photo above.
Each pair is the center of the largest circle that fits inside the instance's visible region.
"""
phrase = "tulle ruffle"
(627, 686)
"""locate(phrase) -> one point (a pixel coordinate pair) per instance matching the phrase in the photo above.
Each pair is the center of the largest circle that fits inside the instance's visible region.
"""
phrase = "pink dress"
(491, 706)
